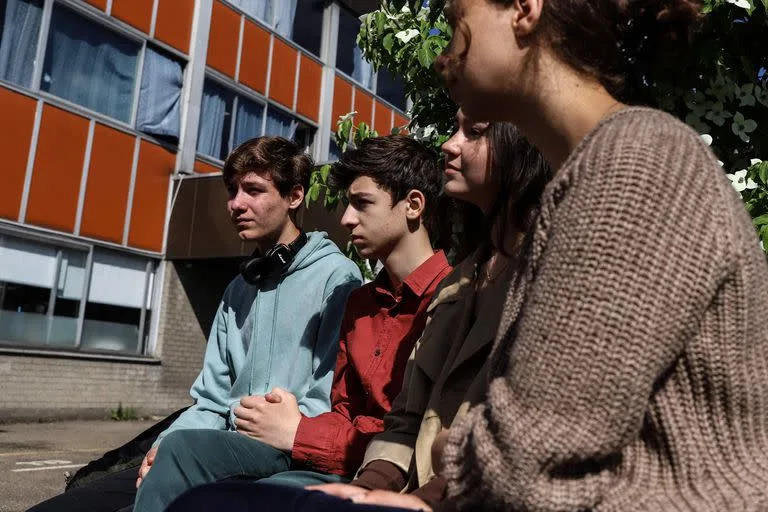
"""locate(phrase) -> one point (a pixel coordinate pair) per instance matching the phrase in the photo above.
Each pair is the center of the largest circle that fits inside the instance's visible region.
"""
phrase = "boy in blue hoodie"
(278, 323)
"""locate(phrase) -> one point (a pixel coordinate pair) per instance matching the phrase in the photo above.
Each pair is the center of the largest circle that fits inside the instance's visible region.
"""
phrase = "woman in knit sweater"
(630, 371)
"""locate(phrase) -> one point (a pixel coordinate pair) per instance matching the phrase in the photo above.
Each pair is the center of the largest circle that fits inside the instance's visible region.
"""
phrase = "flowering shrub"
(721, 89)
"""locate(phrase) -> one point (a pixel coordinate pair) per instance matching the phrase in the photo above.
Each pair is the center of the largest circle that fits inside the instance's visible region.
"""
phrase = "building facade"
(116, 116)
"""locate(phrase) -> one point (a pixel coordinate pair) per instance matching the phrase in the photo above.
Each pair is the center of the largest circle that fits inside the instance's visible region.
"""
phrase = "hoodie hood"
(318, 246)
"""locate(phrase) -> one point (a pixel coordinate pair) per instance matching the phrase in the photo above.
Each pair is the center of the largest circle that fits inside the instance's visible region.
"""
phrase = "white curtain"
(248, 121)
(214, 113)
(261, 9)
(285, 12)
(18, 46)
(363, 72)
(160, 94)
(280, 124)
(89, 65)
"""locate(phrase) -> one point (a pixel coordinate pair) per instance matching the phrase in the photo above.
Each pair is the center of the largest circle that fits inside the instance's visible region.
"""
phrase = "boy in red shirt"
(392, 185)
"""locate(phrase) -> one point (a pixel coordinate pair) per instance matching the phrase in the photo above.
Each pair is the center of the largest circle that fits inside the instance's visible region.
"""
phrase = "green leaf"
(324, 171)
(761, 220)
(389, 40)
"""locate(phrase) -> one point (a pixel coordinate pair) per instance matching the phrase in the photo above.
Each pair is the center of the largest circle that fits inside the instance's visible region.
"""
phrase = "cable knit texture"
(631, 365)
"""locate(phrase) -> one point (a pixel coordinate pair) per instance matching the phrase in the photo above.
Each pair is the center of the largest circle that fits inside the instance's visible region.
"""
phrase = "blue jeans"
(261, 496)
(188, 458)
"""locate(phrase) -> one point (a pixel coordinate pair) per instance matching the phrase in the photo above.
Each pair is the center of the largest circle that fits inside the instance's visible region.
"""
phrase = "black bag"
(125, 457)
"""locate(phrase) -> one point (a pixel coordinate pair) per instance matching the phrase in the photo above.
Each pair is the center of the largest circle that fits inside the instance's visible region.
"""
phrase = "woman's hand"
(377, 497)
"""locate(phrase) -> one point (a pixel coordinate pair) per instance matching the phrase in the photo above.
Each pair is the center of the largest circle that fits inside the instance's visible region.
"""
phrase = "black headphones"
(275, 260)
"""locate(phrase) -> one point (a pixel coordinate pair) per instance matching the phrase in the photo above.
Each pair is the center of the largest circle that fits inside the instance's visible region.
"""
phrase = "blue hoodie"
(282, 333)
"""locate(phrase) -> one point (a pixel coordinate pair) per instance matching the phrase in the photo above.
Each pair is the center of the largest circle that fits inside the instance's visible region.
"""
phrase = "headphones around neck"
(277, 259)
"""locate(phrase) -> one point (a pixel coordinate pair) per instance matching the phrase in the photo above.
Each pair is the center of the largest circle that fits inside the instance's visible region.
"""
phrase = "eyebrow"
(360, 195)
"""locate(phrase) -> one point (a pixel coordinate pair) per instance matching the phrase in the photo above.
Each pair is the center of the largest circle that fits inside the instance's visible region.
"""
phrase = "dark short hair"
(284, 161)
(398, 164)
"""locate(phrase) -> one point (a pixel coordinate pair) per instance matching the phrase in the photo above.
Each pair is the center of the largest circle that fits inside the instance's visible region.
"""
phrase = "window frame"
(151, 283)
(122, 29)
(237, 89)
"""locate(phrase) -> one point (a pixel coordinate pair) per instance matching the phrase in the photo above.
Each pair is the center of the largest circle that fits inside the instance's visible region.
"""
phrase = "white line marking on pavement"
(48, 467)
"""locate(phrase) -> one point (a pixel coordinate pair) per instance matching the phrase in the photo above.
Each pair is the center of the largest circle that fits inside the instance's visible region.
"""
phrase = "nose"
(235, 202)
(451, 147)
(349, 219)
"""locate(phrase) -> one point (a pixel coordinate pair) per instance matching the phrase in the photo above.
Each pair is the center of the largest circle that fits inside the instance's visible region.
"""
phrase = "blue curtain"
(285, 13)
(18, 45)
(280, 124)
(160, 94)
(260, 9)
(90, 65)
(215, 112)
(248, 120)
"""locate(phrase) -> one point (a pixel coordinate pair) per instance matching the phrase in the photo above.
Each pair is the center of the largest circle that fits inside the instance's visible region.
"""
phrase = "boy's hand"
(146, 464)
(272, 419)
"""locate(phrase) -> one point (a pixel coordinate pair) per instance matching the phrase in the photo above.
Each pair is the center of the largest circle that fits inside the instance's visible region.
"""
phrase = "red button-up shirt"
(378, 333)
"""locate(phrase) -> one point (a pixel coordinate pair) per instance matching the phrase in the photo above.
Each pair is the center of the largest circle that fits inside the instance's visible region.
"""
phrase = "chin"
(455, 190)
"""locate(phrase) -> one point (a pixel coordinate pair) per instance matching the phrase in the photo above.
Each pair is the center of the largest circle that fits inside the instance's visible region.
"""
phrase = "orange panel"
(101, 4)
(149, 196)
(137, 13)
(58, 168)
(109, 176)
(255, 57)
(363, 107)
(383, 119)
(222, 42)
(310, 82)
(342, 100)
(205, 167)
(401, 121)
(283, 77)
(15, 134)
(173, 23)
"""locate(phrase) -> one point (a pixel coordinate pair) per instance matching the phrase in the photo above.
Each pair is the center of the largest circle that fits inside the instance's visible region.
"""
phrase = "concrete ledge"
(88, 356)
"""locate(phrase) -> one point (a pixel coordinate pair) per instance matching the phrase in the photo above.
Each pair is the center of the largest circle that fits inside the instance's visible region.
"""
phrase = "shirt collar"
(417, 281)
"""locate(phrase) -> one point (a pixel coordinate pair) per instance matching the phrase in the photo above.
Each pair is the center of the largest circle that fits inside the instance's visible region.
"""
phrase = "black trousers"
(111, 493)
(252, 497)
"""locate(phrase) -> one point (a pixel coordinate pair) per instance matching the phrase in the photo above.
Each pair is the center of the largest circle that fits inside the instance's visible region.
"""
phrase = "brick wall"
(36, 387)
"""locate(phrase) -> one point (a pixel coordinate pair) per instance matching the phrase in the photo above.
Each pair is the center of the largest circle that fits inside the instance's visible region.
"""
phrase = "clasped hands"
(272, 419)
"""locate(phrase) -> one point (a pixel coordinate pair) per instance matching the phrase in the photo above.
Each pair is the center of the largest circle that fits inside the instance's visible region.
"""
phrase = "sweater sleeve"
(317, 399)
(335, 441)
(626, 261)
(212, 387)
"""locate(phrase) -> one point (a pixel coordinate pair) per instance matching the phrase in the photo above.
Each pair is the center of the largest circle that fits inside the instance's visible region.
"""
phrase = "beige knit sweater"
(631, 367)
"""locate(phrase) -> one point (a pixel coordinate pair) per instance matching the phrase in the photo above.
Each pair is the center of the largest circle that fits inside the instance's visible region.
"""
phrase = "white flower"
(707, 138)
(718, 114)
(740, 181)
(744, 4)
(407, 35)
(742, 127)
(744, 95)
(754, 161)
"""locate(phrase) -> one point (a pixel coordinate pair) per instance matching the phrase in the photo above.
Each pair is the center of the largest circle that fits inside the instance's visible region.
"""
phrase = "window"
(43, 301)
(390, 87)
(90, 65)
(19, 28)
(301, 21)
(227, 119)
(349, 58)
(160, 95)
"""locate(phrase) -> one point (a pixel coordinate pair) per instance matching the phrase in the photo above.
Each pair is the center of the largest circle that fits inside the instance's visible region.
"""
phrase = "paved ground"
(35, 456)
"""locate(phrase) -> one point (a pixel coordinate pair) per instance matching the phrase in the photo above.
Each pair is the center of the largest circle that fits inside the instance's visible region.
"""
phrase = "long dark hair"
(521, 173)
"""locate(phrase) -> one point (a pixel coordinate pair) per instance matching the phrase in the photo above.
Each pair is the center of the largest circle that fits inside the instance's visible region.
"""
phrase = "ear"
(526, 17)
(415, 203)
(295, 197)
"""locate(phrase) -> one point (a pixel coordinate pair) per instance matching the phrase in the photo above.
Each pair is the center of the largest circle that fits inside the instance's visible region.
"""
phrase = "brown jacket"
(446, 372)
